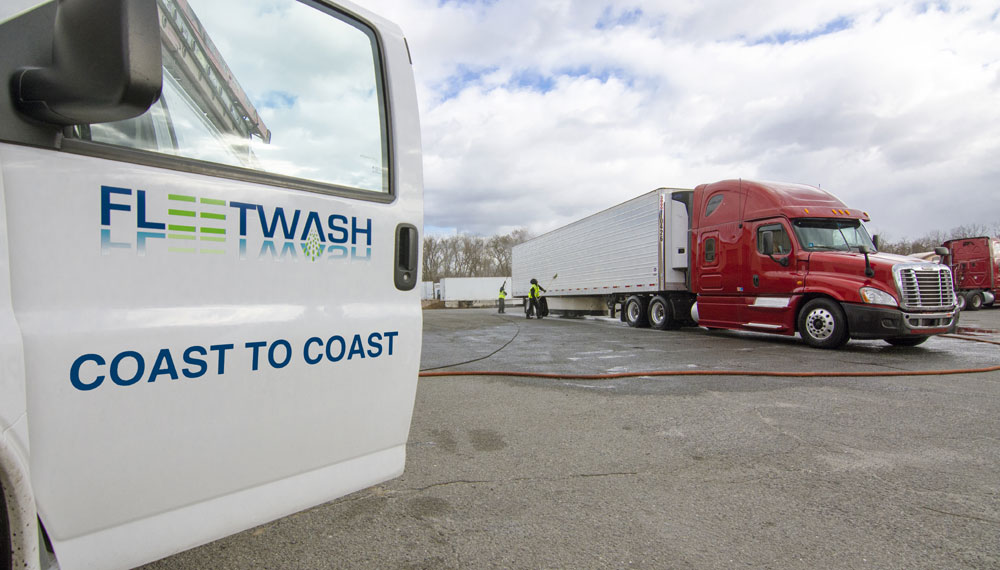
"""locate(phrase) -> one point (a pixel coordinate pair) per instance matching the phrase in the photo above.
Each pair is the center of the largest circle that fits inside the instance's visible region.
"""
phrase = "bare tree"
(935, 238)
(432, 261)
(499, 250)
(465, 255)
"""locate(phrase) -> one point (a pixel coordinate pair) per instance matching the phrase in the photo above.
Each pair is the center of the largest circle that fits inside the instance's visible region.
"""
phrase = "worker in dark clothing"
(533, 296)
(500, 299)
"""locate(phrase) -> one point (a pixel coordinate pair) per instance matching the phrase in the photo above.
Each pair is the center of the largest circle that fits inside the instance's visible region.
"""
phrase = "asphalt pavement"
(712, 471)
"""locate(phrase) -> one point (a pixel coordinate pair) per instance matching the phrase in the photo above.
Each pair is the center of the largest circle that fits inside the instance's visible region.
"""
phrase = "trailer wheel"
(822, 324)
(661, 315)
(635, 312)
(974, 301)
(906, 340)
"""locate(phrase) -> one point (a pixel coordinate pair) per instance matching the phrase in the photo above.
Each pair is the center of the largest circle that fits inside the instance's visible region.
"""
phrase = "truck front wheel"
(635, 312)
(822, 324)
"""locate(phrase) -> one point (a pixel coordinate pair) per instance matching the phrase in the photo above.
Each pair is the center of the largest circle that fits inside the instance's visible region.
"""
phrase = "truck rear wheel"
(660, 316)
(635, 312)
(822, 324)
(974, 300)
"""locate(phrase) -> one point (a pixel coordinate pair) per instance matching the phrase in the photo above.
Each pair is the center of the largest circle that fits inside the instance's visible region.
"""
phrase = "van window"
(239, 92)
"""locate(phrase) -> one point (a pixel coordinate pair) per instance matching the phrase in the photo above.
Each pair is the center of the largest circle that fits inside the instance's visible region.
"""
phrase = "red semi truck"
(737, 254)
(975, 268)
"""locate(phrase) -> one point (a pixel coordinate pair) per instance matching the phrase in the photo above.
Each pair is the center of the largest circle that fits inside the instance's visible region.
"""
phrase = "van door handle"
(406, 257)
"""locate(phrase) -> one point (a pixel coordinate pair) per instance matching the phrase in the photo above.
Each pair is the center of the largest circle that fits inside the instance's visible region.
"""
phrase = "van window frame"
(242, 174)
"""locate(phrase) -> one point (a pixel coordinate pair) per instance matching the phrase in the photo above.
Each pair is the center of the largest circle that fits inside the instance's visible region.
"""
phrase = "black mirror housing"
(768, 244)
(106, 64)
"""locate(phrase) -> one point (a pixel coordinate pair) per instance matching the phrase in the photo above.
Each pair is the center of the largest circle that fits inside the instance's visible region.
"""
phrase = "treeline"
(935, 238)
(466, 255)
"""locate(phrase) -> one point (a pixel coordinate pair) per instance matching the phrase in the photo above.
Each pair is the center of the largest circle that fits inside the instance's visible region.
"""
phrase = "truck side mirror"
(106, 64)
(768, 244)
(768, 249)
(942, 251)
(875, 241)
(864, 249)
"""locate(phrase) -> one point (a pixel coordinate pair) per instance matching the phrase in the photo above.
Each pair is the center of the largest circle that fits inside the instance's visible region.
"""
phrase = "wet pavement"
(716, 471)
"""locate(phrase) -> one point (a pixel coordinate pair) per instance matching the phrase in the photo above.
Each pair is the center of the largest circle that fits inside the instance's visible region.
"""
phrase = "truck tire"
(822, 324)
(635, 312)
(659, 314)
(974, 300)
(906, 340)
(959, 302)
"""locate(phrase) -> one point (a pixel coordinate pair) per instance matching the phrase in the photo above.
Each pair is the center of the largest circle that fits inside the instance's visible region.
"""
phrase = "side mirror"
(875, 240)
(942, 251)
(869, 271)
(768, 244)
(106, 64)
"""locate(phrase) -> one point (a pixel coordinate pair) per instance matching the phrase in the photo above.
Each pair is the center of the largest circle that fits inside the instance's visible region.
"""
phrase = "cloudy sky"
(536, 113)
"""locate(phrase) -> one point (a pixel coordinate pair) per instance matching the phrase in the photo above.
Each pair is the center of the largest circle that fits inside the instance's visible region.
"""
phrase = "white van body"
(190, 348)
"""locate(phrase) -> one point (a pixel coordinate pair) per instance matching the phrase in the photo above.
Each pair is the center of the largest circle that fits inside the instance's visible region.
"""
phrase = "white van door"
(216, 298)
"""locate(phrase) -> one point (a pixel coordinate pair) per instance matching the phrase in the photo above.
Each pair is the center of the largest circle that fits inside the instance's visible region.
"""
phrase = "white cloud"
(538, 113)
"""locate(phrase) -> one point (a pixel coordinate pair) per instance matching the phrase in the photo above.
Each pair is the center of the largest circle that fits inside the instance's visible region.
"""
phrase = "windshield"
(831, 234)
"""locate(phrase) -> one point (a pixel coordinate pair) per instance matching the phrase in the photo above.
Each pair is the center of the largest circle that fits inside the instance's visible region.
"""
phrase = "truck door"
(717, 274)
(772, 275)
(216, 297)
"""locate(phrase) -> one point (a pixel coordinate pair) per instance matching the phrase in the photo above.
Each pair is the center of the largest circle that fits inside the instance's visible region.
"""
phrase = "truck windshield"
(832, 234)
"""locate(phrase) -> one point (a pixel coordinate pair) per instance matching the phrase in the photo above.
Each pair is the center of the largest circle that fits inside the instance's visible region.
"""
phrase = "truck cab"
(975, 267)
(209, 226)
(787, 258)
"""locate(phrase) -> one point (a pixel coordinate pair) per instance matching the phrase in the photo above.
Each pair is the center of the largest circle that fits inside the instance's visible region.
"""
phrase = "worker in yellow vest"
(500, 300)
(533, 299)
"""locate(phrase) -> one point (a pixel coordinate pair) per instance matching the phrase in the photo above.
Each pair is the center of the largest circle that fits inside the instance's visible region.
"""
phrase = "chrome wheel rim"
(657, 314)
(633, 312)
(820, 324)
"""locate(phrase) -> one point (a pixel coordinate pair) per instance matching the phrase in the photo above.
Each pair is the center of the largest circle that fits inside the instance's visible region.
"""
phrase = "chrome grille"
(924, 286)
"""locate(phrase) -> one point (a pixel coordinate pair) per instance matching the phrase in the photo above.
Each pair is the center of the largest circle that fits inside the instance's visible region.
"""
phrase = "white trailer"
(586, 267)
(426, 290)
(470, 291)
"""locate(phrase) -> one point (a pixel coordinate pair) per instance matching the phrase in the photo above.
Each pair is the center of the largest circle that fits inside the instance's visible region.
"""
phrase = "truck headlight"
(874, 296)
